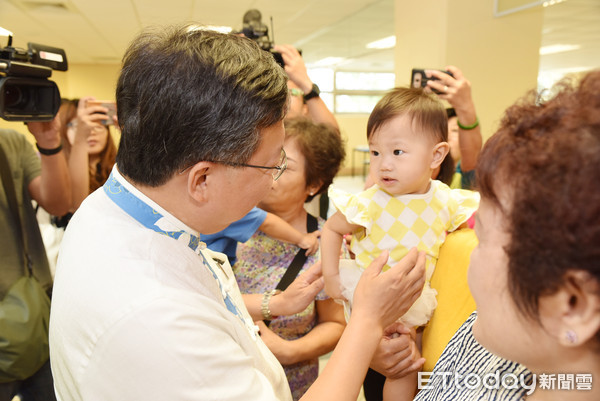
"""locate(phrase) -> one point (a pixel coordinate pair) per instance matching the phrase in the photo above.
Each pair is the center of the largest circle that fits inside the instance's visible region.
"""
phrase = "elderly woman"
(535, 274)
(314, 153)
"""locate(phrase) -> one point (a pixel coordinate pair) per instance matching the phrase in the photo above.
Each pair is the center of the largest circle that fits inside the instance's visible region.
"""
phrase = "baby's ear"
(440, 151)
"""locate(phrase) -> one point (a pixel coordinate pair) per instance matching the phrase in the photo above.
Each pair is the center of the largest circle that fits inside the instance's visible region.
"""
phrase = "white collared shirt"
(137, 315)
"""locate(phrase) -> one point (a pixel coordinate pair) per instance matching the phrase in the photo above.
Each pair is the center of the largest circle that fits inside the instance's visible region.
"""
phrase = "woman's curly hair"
(545, 159)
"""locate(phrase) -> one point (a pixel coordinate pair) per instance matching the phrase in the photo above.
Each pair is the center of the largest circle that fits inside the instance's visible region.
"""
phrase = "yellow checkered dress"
(399, 223)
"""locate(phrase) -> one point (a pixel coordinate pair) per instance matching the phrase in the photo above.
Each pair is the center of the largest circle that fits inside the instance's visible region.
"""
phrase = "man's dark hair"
(186, 95)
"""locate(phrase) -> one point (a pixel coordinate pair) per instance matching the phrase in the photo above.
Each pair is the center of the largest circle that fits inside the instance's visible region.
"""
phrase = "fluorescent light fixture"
(222, 29)
(385, 43)
(327, 61)
(5, 32)
(551, 2)
(558, 48)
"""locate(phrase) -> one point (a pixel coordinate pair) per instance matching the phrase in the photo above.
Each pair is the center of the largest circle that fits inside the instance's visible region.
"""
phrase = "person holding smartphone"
(464, 130)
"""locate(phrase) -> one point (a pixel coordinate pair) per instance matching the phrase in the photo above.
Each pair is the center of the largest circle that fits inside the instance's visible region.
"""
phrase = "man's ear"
(577, 305)
(198, 181)
(440, 151)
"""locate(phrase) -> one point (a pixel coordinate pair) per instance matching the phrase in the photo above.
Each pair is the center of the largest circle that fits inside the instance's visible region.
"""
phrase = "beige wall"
(354, 133)
(499, 56)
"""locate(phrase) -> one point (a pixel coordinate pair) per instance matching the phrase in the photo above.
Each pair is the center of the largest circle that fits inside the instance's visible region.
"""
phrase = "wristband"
(49, 152)
(468, 127)
(264, 306)
(315, 92)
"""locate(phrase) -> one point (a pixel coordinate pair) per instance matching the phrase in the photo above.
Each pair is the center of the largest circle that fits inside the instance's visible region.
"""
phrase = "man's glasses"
(277, 170)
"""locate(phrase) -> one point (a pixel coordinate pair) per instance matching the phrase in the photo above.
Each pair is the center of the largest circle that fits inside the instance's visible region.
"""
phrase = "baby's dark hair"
(424, 109)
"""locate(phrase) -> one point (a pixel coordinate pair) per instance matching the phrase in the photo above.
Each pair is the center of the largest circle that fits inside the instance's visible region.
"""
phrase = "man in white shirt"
(136, 296)
(141, 310)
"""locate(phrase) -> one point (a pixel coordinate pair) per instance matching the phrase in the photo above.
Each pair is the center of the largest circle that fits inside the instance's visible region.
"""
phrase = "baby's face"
(401, 157)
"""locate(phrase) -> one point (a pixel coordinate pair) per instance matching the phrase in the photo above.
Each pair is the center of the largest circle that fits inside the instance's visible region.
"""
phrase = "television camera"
(26, 93)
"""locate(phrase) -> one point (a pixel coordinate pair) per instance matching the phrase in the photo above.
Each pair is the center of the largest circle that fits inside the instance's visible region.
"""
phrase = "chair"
(364, 149)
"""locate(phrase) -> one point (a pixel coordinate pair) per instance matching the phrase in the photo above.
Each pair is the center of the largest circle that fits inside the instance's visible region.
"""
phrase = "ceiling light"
(5, 32)
(558, 48)
(385, 43)
(221, 29)
(552, 2)
(327, 62)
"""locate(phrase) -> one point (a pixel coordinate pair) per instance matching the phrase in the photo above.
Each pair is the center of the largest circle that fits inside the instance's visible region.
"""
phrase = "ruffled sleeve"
(465, 204)
(353, 206)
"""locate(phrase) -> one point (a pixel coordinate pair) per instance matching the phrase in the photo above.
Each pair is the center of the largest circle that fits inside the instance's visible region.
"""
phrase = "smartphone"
(110, 105)
(418, 79)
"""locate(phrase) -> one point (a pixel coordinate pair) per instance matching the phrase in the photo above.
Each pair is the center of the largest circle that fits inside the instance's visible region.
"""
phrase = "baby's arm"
(275, 227)
(331, 242)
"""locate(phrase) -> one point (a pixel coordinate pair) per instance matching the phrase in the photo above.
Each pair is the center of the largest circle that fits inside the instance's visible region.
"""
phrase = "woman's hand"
(299, 294)
(278, 346)
(456, 90)
(397, 354)
(381, 298)
(310, 242)
(88, 119)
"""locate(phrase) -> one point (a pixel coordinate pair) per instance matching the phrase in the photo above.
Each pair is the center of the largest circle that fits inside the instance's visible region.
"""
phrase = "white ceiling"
(98, 31)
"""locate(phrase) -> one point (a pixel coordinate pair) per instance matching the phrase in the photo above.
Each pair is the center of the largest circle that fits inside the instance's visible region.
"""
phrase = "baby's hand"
(333, 287)
(310, 242)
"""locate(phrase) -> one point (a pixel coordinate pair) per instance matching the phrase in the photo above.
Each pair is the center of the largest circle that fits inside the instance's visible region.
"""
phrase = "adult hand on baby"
(397, 354)
(381, 298)
(299, 294)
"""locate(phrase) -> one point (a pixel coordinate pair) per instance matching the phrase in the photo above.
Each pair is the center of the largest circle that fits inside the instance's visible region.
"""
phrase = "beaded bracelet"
(264, 306)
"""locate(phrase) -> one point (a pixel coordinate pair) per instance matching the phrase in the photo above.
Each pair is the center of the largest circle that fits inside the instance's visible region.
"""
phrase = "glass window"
(351, 91)
(323, 77)
(356, 103)
(369, 81)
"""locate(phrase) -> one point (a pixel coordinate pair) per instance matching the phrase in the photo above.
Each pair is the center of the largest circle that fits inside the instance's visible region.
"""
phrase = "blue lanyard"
(149, 218)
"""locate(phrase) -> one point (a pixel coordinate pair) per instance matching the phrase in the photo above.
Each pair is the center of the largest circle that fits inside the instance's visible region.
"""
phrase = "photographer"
(466, 145)
(313, 107)
(44, 179)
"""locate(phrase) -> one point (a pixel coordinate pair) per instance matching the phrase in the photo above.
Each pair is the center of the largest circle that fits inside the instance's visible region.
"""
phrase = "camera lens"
(15, 97)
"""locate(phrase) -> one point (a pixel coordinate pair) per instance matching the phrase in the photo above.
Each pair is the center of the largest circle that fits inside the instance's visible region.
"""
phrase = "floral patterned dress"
(261, 262)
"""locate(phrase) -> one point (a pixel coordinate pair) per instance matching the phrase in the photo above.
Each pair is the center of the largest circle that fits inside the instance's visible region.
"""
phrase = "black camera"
(254, 29)
(26, 93)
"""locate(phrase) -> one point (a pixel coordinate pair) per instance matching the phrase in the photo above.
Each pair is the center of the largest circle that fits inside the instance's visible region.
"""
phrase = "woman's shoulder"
(467, 371)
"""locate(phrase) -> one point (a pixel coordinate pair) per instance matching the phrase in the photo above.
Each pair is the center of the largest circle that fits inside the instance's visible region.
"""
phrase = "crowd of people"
(190, 267)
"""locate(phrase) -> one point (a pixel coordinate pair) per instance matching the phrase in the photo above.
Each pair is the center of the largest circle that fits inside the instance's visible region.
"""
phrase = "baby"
(407, 133)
